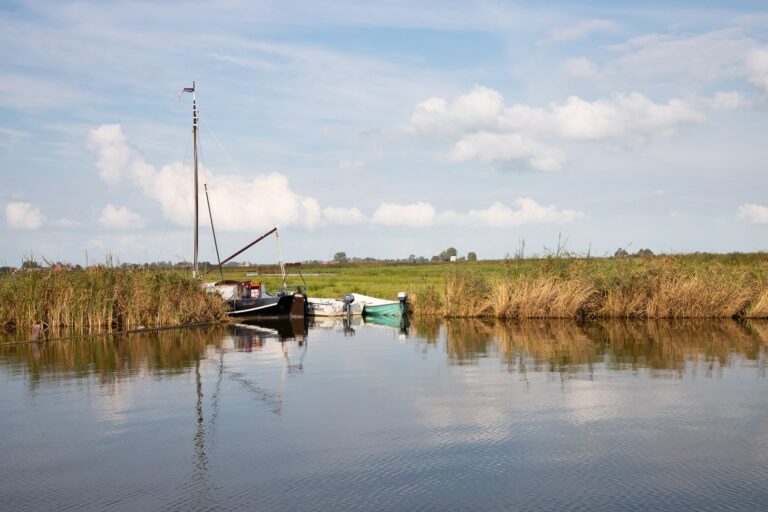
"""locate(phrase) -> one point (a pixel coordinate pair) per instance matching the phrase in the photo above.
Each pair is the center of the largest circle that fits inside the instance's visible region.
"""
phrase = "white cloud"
(479, 109)
(488, 130)
(260, 202)
(344, 216)
(418, 214)
(754, 213)
(623, 115)
(581, 30)
(528, 211)
(21, 215)
(727, 101)
(115, 156)
(507, 147)
(580, 68)
(757, 64)
(351, 165)
(119, 217)
(238, 202)
(497, 215)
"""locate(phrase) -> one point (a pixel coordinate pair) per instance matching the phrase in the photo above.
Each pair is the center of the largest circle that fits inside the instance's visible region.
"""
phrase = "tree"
(620, 253)
(340, 257)
(446, 254)
(645, 253)
(29, 264)
(471, 256)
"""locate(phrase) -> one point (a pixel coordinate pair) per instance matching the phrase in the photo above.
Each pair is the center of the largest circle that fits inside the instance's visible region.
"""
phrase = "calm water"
(453, 416)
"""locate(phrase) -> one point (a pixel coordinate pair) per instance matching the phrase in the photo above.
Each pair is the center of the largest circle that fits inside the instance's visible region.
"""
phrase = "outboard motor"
(348, 300)
(403, 298)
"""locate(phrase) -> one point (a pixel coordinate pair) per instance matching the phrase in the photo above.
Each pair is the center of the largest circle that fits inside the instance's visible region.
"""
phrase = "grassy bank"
(681, 286)
(103, 299)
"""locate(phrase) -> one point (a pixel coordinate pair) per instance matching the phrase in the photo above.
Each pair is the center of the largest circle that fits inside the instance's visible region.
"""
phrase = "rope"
(221, 146)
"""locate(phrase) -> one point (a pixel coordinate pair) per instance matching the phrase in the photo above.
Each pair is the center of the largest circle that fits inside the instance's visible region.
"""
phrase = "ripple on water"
(609, 417)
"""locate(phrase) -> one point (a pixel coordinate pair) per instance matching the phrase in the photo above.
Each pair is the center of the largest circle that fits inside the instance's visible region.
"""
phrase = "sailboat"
(244, 298)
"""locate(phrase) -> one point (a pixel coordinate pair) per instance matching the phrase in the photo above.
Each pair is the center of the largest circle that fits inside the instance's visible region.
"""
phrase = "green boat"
(381, 307)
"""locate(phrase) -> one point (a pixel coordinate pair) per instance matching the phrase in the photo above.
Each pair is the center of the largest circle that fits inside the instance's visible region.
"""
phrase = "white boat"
(332, 307)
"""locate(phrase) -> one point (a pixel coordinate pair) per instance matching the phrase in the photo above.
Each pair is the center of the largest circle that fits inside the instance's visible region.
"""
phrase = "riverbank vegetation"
(108, 298)
(103, 298)
(678, 286)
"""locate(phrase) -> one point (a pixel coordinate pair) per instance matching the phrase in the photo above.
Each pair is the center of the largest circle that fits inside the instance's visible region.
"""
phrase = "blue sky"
(383, 129)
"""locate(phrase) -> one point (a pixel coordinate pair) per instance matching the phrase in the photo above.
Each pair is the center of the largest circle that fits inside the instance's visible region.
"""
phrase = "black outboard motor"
(348, 300)
(403, 298)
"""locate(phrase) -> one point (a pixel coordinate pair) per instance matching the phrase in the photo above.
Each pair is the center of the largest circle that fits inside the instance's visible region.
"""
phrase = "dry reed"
(104, 299)
(658, 288)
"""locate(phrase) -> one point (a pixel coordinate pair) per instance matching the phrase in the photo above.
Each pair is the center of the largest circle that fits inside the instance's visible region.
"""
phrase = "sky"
(382, 129)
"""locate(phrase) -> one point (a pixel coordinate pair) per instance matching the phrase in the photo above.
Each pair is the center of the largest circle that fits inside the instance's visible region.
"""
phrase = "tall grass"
(663, 287)
(104, 299)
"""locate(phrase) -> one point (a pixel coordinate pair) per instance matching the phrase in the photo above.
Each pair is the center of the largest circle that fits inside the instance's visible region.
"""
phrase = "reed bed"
(662, 287)
(103, 299)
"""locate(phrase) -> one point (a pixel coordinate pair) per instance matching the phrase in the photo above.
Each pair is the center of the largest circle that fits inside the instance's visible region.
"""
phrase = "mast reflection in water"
(540, 415)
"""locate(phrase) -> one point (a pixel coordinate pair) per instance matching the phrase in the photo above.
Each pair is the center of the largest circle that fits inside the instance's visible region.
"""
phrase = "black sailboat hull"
(281, 306)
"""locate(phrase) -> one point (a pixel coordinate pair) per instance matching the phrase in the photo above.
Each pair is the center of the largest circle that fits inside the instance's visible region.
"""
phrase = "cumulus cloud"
(260, 202)
(238, 202)
(507, 147)
(115, 156)
(757, 64)
(419, 214)
(528, 211)
(623, 115)
(480, 109)
(486, 129)
(754, 213)
(119, 217)
(21, 215)
(344, 216)
(581, 30)
(498, 215)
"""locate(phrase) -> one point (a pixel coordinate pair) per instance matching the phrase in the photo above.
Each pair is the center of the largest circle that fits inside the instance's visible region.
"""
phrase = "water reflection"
(111, 358)
(461, 415)
(665, 348)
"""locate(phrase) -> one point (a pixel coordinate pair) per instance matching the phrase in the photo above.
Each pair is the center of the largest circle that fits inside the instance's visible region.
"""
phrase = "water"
(454, 416)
